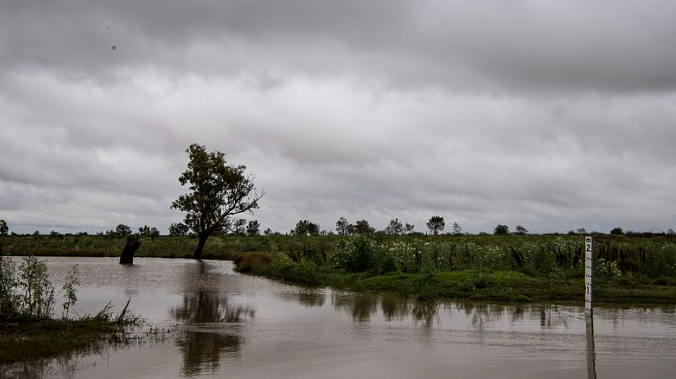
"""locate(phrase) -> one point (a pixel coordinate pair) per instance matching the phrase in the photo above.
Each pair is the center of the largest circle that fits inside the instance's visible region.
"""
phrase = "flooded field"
(223, 324)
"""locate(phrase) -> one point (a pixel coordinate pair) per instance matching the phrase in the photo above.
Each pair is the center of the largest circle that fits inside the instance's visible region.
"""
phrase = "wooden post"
(588, 274)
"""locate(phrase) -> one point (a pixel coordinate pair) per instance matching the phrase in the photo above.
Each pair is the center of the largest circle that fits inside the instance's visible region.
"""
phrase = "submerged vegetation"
(29, 329)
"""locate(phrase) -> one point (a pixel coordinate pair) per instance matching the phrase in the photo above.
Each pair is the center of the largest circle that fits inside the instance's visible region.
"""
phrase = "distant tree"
(581, 230)
(144, 230)
(436, 224)
(456, 229)
(363, 227)
(617, 231)
(55, 234)
(520, 230)
(501, 230)
(306, 228)
(268, 232)
(342, 226)
(154, 233)
(179, 229)
(36, 233)
(253, 228)
(217, 193)
(409, 228)
(3, 233)
(237, 228)
(671, 232)
(123, 230)
(395, 227)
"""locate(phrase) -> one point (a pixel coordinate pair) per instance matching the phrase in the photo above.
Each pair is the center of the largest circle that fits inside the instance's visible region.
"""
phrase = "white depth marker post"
(588, 274)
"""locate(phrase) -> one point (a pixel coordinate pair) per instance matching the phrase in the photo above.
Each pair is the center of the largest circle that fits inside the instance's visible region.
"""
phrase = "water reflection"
(591, 351)
(209, 306)
(68, 362)
(203, 346)
(211, 333)
(363, 306)
(309, 298)
(360, 306)
(203, 350)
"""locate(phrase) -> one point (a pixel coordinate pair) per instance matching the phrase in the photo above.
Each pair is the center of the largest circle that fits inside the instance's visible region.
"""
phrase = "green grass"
(630, 269)
(509, 286)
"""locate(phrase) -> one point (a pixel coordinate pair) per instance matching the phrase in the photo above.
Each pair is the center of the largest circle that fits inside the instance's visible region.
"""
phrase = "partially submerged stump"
(129, 250)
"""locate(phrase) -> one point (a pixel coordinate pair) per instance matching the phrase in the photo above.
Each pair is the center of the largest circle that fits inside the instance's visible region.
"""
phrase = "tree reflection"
(211, 331)
(203, 350)
(311, 299)
(363, 306)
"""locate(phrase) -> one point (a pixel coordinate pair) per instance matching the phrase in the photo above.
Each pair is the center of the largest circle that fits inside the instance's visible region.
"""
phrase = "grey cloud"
(552, 47)
(555, 115)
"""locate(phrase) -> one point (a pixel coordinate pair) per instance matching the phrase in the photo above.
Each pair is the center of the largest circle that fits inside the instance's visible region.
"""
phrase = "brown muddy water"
(227, 325)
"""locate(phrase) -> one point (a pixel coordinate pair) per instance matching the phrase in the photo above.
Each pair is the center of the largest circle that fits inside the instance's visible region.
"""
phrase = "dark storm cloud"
(551, 114)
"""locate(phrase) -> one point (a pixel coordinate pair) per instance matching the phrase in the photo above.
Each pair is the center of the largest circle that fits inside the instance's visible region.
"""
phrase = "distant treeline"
(242, 227)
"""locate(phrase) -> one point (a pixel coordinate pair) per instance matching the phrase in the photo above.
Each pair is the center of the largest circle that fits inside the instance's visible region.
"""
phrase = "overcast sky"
(550, 114)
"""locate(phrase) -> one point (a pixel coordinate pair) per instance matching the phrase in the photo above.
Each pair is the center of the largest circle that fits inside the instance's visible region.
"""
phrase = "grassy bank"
(509, 286)
(29, 328)
(628, 269)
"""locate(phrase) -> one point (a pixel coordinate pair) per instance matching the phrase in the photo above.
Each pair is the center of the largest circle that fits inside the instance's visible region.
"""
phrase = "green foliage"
(253, 228)
(9, 300)
(362, 227)
(342, 226)
(68, 290)
(36, 292)
(147, 231)
(28, 294)
(607, 270)
(178, 229)
(361, 254)
(501, 230)
(520, 230)
(436, 224)
(395, 227)
(217, 191)
(3, 228)
(424, 283)
(123, 230)
(3, 233)
(306, 228)
(617, 231)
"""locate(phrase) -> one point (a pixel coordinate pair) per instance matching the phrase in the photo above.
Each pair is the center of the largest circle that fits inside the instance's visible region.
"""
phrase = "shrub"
(8, 299)
(501, 230)
(36, 296)
(28, 293)
(361, 254)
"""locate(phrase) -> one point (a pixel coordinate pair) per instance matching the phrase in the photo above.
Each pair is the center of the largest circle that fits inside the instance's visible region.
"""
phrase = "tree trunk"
(200, 245)
(130, 248)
